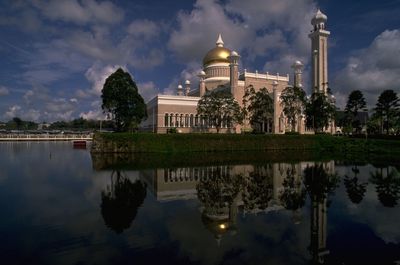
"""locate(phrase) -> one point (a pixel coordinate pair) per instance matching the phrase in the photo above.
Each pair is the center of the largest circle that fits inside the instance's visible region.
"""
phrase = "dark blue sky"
(57, 53)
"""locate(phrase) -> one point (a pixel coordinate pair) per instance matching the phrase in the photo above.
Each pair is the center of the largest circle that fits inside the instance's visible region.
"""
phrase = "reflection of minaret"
(319, 52)
(318, 231)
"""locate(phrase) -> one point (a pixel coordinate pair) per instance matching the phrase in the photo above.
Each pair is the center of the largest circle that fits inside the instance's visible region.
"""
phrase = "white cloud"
(92, 115)
(373, 69)
(147, 90)
(12, 112)
(256, 27)
(145, 29)
(17, 111)
(189, 73)
(80, 12)
(197, 31)
(4, 91)
(97, 75)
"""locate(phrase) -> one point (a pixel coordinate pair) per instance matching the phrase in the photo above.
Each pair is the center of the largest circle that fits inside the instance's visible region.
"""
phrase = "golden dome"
(217, 55)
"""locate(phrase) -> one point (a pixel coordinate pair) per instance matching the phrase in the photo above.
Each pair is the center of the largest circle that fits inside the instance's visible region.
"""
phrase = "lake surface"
(61, 206)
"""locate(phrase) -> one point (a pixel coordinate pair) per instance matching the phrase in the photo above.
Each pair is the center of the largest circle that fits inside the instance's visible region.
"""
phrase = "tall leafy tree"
(388, 109)
(355, 103)
(219, 106)
(293, 101)
(258, 107)
(319, 111)
(121, 98)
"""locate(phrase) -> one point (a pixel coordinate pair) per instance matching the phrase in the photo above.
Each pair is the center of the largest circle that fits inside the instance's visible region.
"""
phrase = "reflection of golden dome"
(217, 55)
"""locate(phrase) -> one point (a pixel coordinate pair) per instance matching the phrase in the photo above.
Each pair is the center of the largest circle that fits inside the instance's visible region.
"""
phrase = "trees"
(319, 111)
(219, 107)
(259, 108)
(121, 98)
(18, 122)
(387, 109)
(293, 102)
(355, 102)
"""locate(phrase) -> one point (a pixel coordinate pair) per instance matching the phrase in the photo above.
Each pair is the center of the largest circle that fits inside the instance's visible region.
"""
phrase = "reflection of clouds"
(382, 220)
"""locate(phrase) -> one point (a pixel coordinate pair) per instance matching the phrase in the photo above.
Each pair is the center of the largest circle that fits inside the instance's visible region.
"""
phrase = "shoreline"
(137, 143)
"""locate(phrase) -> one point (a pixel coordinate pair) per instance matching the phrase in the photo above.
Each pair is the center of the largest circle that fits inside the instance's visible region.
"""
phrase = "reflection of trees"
(388, 188)
(218, 190)
(355, 190)
(257, 190)
(319, 185)
(293, 195)
(121, 200)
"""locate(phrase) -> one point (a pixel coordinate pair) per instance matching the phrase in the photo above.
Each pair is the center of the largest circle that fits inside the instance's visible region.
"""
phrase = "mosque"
(221, 71)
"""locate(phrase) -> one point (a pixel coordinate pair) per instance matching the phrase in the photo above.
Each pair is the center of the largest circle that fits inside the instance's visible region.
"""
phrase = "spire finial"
(220, 42)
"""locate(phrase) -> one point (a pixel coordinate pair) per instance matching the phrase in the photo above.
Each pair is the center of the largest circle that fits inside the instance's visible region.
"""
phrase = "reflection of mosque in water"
(224, 191)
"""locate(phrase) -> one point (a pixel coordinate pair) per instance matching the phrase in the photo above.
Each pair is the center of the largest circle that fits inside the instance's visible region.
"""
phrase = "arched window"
(171, 121)
(186, 120)
(181, 121)
(191, 123)
(166, 120)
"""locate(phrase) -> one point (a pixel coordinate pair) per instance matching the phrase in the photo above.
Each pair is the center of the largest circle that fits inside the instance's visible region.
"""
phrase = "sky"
(56, 54)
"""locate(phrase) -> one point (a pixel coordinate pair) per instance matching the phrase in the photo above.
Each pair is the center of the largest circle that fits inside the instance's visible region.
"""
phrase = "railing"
(45, 137)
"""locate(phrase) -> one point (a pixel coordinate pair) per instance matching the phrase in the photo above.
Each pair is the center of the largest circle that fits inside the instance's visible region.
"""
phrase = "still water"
(59, 205)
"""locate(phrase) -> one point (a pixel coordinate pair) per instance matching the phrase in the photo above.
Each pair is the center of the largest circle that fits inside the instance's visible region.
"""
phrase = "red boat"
(79, 144)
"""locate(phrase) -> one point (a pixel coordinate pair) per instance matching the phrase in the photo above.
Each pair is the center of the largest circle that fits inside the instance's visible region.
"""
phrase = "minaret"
(202, 85)
(234, 74)
(187, 87)
(319, 53)
(298, 71)
(318, 229)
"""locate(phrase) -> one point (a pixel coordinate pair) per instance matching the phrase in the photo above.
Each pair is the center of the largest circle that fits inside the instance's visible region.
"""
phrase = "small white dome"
(187, 82)
(298, 63)
(179, 86)
(234, 53)
(201, 74)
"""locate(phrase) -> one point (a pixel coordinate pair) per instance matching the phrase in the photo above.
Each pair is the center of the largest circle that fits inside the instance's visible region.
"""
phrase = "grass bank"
(178, 143)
